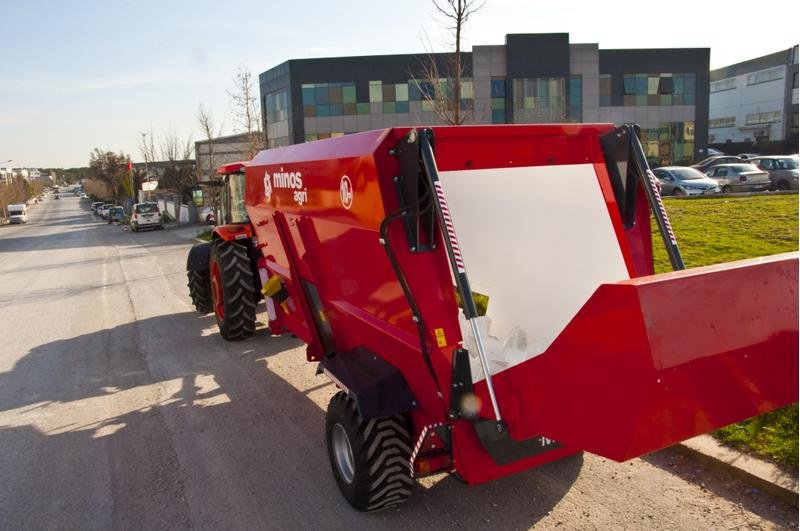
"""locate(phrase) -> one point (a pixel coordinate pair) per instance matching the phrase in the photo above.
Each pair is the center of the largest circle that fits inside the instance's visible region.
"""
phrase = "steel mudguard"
(233, 232)
(198, 257)
(379, 387)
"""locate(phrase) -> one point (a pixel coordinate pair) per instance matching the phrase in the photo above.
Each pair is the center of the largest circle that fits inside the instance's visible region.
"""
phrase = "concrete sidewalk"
(759, 473)
(188, 231)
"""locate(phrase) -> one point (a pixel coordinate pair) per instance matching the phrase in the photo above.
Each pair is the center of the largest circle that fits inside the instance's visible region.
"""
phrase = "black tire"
(726, 189)
(236, 311)
(379, 451)
(200, 291)
(678, 192)
(783, 185)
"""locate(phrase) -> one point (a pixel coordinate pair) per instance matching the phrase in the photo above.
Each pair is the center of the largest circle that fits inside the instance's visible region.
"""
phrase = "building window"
(765, 76)
(277, 118)
(723, 84)
(575, 113)
(652, 89)
(670, 143)
(728, 121)
(538, 100)
(498, 100)
(762, 118)
(329, 99)
(605, 90)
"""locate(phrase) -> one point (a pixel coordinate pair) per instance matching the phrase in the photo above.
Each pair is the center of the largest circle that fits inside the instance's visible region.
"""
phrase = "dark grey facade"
(532, 78)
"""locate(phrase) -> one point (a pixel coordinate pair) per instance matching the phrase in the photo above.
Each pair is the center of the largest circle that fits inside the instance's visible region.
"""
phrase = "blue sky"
(80, 75)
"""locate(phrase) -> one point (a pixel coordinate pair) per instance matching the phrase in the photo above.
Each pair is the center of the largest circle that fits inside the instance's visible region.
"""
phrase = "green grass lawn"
(711, 231)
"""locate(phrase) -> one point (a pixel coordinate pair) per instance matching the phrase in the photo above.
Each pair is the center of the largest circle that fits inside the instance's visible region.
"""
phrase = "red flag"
(130, 165)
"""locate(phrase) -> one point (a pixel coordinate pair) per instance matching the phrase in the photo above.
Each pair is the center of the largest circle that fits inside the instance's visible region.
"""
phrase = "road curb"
(760, 474)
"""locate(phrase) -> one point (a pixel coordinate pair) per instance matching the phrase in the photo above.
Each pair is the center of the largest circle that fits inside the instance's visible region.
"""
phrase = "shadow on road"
(720, 483)
(162, 424)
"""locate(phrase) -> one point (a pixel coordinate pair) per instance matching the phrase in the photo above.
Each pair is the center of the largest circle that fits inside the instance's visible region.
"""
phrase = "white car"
(145, 216)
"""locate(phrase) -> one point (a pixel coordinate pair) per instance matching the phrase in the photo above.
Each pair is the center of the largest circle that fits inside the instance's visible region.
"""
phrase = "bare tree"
(210, 131)
(441, 79)
(246, 111)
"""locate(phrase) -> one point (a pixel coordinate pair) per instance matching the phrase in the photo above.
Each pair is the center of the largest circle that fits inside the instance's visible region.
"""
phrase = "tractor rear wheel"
(370, 458)
(232, 290)
(200, 291)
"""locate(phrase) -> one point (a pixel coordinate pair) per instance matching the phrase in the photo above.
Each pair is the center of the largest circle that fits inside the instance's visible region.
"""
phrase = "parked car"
(145, 216)
(680, 180)
(705, 164)
(782, 170)
(96, 205)
(712, 152)
(748, 156)
(115, 213)
(103, 210)
(739, 177)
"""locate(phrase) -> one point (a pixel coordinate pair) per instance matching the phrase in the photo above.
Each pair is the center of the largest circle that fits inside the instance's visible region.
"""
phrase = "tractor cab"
(231, 206)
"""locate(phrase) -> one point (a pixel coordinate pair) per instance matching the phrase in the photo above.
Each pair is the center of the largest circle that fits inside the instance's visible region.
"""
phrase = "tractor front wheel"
(232, 290)
(370, 458)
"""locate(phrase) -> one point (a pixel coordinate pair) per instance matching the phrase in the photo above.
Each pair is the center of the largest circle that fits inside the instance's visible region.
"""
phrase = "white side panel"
(538, 241)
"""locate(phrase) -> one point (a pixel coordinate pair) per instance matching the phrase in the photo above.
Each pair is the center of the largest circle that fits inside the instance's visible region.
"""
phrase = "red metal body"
(625, 377)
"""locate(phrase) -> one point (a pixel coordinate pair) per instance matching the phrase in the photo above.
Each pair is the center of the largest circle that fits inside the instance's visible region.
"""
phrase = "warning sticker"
(440, 339)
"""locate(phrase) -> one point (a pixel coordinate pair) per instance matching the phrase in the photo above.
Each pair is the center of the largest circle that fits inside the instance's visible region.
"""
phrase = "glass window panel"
(666, 99)
(629, 100)
(363, 108)
(629, 84)
(323, 110)
(337, 109)
(427, 106)
(652, 84)
(541, 87)
(689, 99)
(388, 107)
(498, 88)
(689, 84)
(641, 100)
(322, 94)
(530, 103)
(375, 92)
(413, 91)
(677, 81)
(653, 99)
(335, 95)
(311, 138)
(350, 109)
(349, 93)
(309, 111)
(605, 85)
(498, 103)
(401, 92)
(309, 95)
(498, 116)
(466, 89)
(401, 106)
(388, 93)
(605, 101)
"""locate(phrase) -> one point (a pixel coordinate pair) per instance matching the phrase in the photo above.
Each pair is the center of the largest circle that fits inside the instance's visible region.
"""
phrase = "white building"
(753, 104)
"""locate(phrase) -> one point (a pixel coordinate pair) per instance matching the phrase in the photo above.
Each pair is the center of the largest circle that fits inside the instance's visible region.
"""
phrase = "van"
(18, 213)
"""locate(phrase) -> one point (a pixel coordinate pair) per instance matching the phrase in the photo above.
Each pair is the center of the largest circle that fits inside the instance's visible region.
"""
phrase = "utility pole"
(146, 167)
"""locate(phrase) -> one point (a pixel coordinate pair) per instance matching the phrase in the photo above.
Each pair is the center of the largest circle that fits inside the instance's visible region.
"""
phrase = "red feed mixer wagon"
(368, 248)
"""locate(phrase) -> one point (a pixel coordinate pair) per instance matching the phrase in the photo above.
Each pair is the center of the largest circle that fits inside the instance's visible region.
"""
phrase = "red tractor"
(484, 298)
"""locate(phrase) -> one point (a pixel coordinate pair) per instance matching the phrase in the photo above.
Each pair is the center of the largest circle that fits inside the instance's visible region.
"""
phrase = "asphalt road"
(122, 408)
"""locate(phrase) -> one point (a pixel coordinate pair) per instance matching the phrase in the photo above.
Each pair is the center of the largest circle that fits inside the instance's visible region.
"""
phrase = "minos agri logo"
(291, 180)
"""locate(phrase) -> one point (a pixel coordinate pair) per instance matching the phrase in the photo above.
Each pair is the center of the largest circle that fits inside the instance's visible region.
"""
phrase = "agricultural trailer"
(485, 300)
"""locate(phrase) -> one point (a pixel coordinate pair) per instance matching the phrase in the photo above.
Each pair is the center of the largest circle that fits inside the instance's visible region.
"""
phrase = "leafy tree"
(112, 169)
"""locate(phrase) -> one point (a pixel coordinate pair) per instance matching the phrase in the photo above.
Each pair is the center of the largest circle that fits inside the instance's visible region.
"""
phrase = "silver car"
(739, 177)
(782, 170)
(680, 180)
